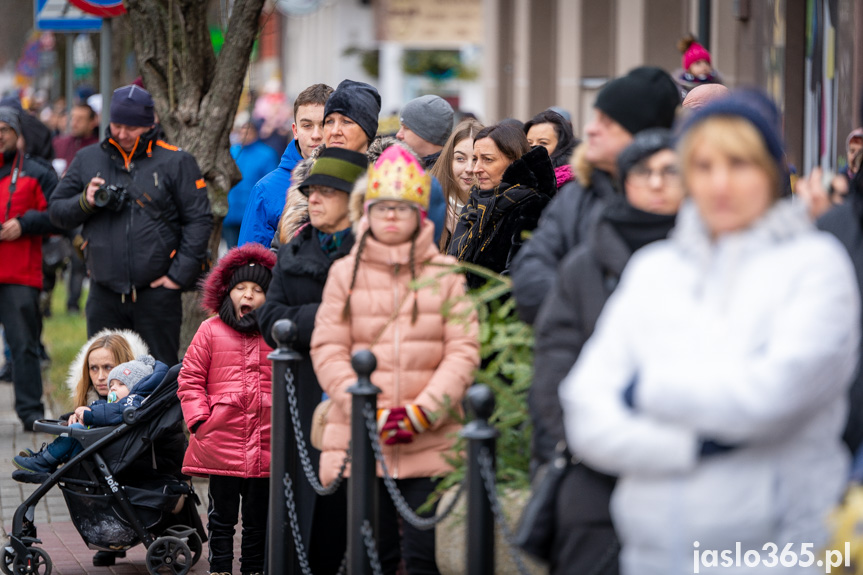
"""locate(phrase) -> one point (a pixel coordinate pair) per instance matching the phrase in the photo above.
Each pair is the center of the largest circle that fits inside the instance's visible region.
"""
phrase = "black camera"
(110, 197)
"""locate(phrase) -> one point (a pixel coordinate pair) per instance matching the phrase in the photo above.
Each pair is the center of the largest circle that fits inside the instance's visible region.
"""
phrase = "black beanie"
(132, 106)
(645, 98)
(252, 272)
(358, 101)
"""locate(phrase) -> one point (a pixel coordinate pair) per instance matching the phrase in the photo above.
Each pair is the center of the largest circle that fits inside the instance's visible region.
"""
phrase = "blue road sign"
(60, 16)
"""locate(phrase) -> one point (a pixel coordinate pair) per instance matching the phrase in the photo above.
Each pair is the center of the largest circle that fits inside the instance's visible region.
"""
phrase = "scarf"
(635, 227)
(249, 323)
(331, 243)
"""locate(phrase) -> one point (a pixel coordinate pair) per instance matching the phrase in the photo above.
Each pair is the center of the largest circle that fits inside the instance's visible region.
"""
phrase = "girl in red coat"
(225, 394)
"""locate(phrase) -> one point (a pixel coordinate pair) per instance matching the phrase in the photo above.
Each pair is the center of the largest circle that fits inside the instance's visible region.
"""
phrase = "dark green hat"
(336, 168)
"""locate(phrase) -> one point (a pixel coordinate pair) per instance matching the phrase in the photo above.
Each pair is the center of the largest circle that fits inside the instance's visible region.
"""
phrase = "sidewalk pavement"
(59, 537)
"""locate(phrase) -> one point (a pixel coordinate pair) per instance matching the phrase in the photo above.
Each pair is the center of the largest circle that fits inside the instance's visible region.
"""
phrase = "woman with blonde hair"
(715, 384)
(454, 170)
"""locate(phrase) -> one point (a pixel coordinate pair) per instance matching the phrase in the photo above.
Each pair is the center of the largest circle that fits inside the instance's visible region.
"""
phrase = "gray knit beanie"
(430, 117)
(10, 116)
(132, 372)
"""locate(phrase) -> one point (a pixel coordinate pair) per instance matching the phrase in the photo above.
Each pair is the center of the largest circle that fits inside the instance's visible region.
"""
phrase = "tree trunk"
(196, 93)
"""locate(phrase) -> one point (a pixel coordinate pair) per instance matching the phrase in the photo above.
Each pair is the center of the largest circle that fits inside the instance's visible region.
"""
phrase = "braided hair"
(346, 311)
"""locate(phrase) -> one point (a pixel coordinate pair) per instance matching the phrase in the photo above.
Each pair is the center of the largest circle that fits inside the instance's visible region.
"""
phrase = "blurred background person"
(255, 160)
(696, 66)
(425, 123)
(715, 385)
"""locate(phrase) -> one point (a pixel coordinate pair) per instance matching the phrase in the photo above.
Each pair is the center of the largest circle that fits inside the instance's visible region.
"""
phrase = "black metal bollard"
(281, 554)
(363, 482)
(480, 519)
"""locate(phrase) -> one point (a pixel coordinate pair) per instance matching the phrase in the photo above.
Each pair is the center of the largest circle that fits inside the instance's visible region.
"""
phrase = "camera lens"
(101, 197)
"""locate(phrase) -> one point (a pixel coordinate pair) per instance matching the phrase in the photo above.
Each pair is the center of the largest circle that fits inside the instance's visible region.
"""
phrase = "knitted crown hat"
(429, 117)
(358, 101)
(132, 106)
(249, 262)
(397, 175)
(646, 97)
(336, 168)
(132, 372)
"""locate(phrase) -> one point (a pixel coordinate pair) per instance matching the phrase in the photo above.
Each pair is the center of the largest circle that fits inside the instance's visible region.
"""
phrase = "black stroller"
(124, 488)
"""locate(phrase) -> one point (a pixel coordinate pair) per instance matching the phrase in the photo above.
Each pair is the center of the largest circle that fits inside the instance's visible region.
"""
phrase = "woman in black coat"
(584, 535)
(320, 233)
(515, 183)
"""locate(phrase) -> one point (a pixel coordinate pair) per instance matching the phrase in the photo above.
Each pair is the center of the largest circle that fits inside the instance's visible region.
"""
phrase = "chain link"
(302, 451)
(295, 532)
(486, 469)
(422, 523)
(295, 526)
(371, 548)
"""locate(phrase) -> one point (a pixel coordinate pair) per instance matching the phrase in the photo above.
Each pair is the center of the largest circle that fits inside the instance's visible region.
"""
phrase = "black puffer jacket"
(295, 294)
(162, 230)
(563, 225)
(490, 226)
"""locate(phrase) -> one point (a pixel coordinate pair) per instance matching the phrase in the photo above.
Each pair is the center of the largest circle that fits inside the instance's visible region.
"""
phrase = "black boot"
(106, 558)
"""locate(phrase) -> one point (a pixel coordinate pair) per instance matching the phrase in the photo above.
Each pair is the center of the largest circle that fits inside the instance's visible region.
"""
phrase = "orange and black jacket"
(163, 227)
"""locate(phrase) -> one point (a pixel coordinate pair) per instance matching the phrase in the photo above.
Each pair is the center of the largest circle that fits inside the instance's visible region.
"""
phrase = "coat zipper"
(396, 364)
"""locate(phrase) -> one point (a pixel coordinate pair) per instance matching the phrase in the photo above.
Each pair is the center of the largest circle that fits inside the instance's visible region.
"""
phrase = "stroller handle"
(52, 426)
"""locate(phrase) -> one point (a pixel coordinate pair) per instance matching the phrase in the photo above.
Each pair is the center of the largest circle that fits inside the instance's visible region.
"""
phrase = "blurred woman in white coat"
(715, 383)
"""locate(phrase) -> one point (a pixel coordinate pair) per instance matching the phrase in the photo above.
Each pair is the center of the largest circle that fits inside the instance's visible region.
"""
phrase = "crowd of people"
(697, 329)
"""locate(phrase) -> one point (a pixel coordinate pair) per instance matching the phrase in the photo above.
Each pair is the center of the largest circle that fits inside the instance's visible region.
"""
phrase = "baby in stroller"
(141, 375)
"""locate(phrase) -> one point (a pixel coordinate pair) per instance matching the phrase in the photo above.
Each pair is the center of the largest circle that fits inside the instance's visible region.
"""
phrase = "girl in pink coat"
(225, 394)
(425, 356)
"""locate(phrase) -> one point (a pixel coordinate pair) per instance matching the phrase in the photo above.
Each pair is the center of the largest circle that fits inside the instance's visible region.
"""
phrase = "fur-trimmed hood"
(296, 212)
(136, 342)
(581, 168)
(216, 285)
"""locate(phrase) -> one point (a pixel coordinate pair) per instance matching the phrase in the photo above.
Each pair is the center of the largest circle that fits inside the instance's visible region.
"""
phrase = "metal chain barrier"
(422, 523)
(295, 532)
(371, 548)
(302, 451)
(487, 470)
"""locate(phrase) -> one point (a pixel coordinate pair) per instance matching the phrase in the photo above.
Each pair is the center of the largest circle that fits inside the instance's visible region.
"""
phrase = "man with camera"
(25, 187)
(147, 220)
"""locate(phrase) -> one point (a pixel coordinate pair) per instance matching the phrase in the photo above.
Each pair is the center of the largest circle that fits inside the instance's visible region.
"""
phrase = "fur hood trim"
(581, 168)
(136, 342)
(216, 285)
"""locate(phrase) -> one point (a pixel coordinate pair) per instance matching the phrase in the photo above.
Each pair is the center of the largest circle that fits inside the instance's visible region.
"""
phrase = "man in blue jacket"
(267, 199)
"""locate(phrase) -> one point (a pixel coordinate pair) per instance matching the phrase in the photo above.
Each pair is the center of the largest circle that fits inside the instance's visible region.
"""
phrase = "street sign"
(60, 16)
(101, 8)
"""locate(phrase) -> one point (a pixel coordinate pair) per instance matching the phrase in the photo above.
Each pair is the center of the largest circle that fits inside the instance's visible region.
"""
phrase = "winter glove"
(400, 424)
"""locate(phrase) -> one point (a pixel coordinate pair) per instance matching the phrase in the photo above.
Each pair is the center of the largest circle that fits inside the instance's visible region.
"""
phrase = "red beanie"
(693, 54)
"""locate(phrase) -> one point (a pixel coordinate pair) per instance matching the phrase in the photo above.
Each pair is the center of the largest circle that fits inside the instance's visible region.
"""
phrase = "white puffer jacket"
(748, 341)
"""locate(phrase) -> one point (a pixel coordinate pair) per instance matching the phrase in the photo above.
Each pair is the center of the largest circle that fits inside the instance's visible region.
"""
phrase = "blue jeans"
(65, 448)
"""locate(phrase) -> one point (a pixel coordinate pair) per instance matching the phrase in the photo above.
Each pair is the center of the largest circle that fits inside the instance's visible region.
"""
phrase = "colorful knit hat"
(398, 175)
(336, 168)
(695, 52)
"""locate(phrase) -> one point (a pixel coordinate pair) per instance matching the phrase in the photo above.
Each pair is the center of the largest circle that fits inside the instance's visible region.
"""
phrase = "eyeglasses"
(401, 211)
(641, 175)
(6, 130)
(324, 191)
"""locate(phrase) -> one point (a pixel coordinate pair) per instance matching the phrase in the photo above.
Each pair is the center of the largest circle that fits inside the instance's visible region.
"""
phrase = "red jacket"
(225, 383)
(21, 259)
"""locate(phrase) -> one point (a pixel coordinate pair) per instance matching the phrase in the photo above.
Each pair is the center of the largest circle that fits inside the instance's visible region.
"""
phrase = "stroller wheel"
(168, 555)
(8, 559)
(36, 563)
